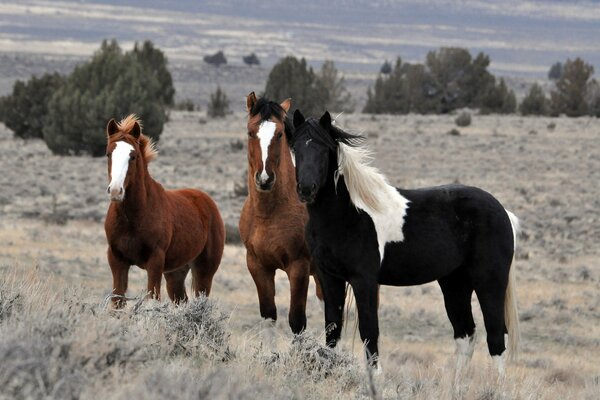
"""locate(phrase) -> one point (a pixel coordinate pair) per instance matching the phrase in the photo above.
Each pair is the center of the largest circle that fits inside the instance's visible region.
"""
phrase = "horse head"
(128, 151)
(268, 132)
(315, 144)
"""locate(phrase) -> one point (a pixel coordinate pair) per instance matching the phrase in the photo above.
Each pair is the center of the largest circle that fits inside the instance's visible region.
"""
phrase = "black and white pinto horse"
(363, 231)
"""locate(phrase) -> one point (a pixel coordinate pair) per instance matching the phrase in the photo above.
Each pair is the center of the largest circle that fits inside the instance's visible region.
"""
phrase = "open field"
(54, 275)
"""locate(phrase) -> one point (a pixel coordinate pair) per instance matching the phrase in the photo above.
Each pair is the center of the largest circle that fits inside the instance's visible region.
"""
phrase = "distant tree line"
(575, 92)
(69, 112)
(449, 79)
(219, 59)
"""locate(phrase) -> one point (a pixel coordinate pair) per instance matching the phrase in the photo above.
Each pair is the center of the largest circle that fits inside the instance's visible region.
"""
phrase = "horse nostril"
(108, 189)
(121, 191)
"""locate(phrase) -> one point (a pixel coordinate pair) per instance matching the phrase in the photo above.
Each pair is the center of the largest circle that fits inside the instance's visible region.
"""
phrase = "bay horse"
(363, 231)
(162, 231)
(273, 219)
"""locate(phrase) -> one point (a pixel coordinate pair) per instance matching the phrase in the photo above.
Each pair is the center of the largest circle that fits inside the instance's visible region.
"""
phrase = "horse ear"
(112, 127)
(136, 130)
(250, 101)
(298, 118)
(286, 104)
(325, 120)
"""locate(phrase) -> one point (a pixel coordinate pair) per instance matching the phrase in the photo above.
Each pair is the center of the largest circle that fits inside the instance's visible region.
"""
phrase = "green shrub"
(390, 94)
(311, 92)
(498, 99)
(218, 106)
(535, 102)
(24, 110)
(386, 68)
(338, 97)
(571, 94)
(463, 119)
(251, 59)
(112, 84)
(293, 78)
(555, 71)
(156, 63)
(185, 105)
(216, 59)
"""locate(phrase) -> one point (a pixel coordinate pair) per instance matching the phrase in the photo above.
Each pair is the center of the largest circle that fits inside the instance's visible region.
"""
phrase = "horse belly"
(405, 265)
(187, 243)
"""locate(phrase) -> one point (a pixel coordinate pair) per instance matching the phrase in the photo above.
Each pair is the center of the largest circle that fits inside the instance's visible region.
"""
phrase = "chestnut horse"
(162, 231)
(273, 218)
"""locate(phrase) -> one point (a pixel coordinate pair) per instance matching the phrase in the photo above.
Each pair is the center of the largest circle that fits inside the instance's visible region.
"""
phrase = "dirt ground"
(545, 170)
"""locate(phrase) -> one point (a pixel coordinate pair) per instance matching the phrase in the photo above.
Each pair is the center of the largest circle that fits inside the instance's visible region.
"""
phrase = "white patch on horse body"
(119, 165)
(265, 134)
(370, 192)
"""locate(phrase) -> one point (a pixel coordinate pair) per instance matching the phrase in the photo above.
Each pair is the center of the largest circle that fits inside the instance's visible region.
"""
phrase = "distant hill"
(523, 37)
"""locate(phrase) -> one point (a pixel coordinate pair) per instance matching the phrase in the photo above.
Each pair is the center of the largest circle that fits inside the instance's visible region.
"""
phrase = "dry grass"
(58, 343)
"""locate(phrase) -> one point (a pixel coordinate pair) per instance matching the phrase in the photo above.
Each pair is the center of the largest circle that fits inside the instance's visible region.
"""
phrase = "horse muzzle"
(307, 193)
(264, 185)
(116, 194)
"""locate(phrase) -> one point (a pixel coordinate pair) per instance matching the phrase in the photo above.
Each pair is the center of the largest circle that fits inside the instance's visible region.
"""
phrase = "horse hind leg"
(176, 284)
(203, 270)
(206, 264)
(457, 291)
(491, 293)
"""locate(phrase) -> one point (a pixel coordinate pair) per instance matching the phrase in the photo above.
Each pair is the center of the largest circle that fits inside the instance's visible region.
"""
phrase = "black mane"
(316, 132)
(268, 109)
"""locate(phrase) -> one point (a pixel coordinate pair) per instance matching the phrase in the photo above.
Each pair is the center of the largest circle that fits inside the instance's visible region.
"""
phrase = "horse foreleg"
(366, 295)
(154, 268)
(334, 295)
(264, 279)
(120, 271)
(298, 275)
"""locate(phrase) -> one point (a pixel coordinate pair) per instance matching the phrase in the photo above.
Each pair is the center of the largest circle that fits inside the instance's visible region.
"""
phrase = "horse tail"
(350, 301)
(511, 313)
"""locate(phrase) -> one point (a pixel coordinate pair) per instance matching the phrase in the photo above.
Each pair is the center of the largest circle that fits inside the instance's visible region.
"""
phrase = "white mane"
(370, 192)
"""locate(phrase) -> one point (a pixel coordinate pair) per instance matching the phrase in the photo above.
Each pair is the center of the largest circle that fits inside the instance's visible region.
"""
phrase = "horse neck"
(284, 189)
(140, 195)
(333, 200)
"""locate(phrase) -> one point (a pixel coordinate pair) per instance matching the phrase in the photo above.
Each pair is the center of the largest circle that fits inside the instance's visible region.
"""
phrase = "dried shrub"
(463, 119)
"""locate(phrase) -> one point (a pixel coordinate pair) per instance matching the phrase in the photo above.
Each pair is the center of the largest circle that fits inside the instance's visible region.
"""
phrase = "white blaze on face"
(266, 131)
(118, 168)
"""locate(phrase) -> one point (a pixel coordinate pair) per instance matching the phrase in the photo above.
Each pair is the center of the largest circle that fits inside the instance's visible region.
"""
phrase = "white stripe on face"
(119, 166)
(266, 131)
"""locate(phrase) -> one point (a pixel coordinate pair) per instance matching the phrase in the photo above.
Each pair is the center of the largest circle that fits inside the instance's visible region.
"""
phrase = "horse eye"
(132, 157)
(280, 135)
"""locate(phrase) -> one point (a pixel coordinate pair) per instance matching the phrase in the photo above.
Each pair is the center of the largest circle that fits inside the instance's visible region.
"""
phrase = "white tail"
(511, 312)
